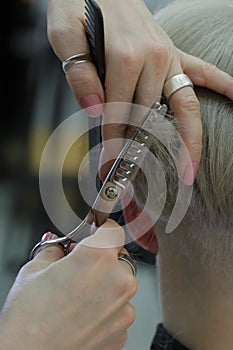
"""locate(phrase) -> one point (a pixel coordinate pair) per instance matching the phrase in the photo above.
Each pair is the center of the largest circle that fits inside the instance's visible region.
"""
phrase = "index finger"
(69, 40)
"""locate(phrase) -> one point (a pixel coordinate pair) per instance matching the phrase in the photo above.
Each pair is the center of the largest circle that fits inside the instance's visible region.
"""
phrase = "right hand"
(78, 301)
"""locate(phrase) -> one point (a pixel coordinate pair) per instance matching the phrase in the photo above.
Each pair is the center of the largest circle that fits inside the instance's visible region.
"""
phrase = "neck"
(197, 303)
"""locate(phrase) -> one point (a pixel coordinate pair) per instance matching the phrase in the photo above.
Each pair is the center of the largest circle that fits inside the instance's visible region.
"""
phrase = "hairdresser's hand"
(80, 301)
(140, 57)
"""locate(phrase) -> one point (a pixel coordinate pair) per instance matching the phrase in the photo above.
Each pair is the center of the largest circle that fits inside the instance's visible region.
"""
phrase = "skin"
(196, 299)
(136, 70)
(81, 301)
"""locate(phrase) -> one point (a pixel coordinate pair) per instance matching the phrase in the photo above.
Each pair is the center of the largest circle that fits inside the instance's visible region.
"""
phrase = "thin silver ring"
(176, 83)
(75, 59)
(64, 245)
(130, 261)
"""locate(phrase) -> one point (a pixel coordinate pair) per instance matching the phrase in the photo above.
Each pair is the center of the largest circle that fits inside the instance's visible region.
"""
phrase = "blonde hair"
(204, 29)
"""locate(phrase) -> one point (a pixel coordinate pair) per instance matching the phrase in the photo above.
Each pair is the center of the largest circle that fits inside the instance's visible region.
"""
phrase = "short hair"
(203, 28)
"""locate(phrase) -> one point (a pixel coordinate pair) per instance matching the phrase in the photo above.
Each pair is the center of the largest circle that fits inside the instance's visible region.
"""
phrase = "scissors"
(122, 174)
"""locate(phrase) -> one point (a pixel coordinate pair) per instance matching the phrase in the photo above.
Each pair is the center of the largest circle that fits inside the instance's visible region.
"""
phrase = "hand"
(80, 301)
(140, 57)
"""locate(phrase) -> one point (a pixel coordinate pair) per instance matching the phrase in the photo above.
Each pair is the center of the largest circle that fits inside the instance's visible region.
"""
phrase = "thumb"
(109, 235)
(67, 41)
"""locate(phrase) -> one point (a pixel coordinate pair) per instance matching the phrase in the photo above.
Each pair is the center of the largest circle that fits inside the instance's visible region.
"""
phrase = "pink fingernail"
(46, 236)
(92, 104)
(190, 173)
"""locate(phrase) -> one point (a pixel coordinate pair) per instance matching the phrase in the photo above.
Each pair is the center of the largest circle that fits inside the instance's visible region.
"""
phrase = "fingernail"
(92, 104)
(46, 236)
(190, 173)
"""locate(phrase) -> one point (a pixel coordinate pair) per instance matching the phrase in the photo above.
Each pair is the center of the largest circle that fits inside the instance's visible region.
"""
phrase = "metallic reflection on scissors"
(121, 175)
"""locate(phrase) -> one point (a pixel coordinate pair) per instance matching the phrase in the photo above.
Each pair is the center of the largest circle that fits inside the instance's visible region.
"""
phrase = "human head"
(203, 28)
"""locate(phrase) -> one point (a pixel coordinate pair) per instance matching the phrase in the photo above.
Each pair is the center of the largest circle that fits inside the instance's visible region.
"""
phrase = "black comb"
(95, 36)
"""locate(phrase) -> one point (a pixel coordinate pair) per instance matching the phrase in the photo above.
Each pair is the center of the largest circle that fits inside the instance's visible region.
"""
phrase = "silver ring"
(130, 261)
(175, 83)
(53, 242)
(75, 59)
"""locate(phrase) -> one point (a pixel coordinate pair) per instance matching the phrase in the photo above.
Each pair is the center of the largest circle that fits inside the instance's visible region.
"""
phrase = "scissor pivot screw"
(111, 192)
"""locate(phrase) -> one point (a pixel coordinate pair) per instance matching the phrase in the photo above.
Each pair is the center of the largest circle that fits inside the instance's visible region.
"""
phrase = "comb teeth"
(132, 160)
(136, 149)
(89, 21)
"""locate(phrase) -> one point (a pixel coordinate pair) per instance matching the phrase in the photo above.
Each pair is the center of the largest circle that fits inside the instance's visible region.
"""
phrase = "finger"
(48, 253)
(186, 109)
(150, 84)
(86, 87)
(207, 75)
(122, 71)
(68, 41)
(109, 235)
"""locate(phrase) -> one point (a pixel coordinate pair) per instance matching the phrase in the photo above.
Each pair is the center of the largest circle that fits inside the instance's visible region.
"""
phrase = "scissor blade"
(125, 167)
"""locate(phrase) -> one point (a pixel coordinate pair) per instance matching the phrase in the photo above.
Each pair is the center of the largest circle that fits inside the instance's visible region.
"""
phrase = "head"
(205, 235)
(195, 260)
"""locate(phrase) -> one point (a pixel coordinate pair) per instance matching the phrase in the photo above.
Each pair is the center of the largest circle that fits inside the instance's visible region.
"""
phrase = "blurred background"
(36, 99)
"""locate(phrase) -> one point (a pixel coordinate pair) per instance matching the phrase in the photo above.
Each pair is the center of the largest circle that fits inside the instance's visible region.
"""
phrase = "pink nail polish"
(92, 104)
(46, 236)
(190, 173)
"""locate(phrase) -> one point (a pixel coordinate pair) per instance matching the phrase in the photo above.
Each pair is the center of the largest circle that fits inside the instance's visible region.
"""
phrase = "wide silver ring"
(176, 83)
(130, 261)
(75, 59)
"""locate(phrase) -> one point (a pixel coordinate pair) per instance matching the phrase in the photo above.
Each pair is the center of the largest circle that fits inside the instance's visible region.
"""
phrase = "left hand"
(140, 57)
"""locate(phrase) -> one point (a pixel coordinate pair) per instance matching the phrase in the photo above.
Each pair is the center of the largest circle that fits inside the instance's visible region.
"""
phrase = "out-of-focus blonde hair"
(204, 28)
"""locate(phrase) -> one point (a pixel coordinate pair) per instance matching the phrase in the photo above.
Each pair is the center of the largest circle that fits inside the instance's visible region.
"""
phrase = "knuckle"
(82, 76)
(162, 57)
(128, 58)
(209, 67)
(160, 53)
(127, 286)
(118, 341)
(123, 339)
(195, 147)
(125, 319)
(128, 54)
(129, 315)
(57, 32)
(132, 64)
(189, 103)
(132, 286)
(228, 87)
(27, 268)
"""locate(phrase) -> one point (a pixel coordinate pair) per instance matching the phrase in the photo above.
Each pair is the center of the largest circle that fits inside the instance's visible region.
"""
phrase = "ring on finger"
(129, 260)
(75, 59)
(44, 244)
(176, 83)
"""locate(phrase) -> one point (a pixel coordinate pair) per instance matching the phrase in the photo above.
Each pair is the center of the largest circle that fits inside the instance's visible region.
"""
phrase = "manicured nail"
(190, 173)
(92, 104)
(46, 236)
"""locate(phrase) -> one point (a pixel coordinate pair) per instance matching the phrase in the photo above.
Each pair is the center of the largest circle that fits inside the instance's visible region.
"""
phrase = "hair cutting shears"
(121, 175)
